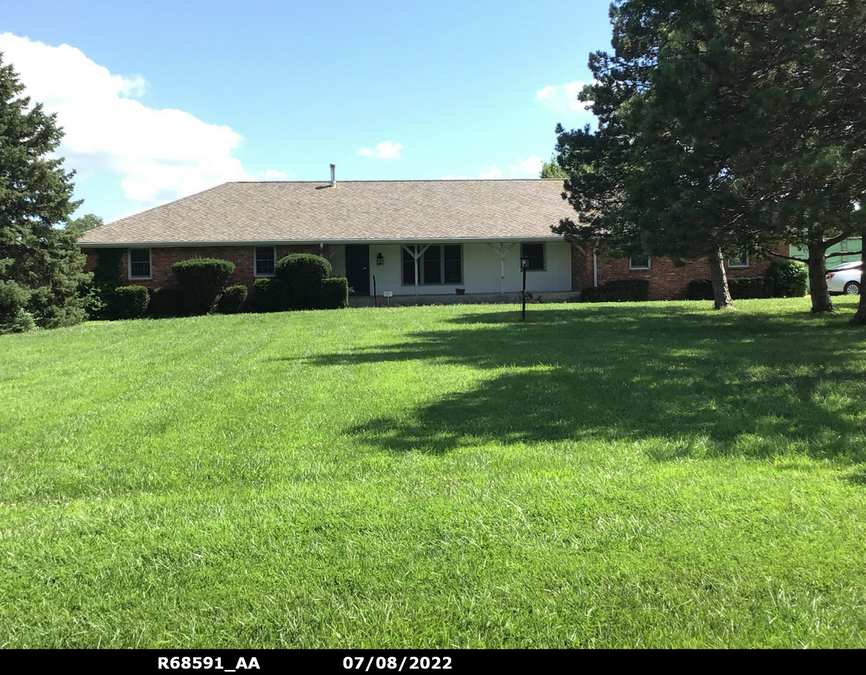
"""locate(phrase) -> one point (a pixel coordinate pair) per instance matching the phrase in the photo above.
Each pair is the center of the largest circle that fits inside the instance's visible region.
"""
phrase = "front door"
(358, 269)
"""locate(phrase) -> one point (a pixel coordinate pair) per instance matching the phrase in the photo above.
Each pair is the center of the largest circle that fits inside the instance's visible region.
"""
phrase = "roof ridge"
(391, 180)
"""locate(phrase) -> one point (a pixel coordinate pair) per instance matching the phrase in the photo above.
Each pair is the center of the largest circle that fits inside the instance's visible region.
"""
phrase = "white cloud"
(531, 166)
(384, 150)
(160, 155)
(562, 96)
(488, 172)
(273, 174)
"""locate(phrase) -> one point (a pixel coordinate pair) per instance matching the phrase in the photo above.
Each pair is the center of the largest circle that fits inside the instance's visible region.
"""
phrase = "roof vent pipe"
(333, 175)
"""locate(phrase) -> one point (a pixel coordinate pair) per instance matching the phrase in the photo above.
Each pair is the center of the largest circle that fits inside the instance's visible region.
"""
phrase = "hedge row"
(741, 288)
(784, 279)
(619, 290)
(302, 282)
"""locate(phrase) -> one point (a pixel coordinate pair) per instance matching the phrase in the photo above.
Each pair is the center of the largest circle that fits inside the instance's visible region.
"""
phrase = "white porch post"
(416, 254)
(502, 253)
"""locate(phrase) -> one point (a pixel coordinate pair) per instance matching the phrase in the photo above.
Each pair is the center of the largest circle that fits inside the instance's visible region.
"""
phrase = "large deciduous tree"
(41, 270)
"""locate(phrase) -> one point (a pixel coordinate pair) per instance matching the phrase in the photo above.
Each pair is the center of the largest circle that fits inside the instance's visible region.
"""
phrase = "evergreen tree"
(724, 126)
(41, 270)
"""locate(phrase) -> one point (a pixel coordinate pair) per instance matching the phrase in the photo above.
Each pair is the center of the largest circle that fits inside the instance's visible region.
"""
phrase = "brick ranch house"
(412, 238)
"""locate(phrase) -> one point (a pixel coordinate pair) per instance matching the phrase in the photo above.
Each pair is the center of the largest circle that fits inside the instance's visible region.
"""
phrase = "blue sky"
(163, 99)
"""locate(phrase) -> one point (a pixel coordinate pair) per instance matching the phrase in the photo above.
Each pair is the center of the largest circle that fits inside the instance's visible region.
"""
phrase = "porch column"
(502, 250)
(415, 255)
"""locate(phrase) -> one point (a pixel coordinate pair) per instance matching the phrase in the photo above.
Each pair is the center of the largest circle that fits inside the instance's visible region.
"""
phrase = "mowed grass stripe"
(614, 476)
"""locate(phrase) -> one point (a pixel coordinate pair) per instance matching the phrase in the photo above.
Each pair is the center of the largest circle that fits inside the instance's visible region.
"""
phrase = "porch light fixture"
(380, 260)
(524, 265)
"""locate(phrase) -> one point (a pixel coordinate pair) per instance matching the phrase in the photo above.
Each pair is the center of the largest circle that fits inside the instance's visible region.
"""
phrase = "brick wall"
(162, 258)
(667, 281)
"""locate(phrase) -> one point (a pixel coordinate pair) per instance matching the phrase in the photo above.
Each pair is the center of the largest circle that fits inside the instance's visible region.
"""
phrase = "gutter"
(315, 242)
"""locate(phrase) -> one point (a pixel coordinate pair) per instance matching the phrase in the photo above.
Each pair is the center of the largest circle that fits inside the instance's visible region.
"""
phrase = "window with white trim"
(139, 263)
(266, 261)
(437, 265)
(639, 262)
(535, 253)
(739, 261)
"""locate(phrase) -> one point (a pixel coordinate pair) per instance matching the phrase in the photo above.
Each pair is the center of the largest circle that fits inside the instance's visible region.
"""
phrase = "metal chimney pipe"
(333, 175)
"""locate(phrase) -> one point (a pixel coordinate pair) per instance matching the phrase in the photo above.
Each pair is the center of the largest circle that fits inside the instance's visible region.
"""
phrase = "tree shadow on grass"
(747, 384)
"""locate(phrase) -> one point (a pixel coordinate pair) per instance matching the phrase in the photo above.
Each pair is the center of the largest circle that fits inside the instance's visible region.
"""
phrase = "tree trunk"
(860, 317)
(721, 294)
(821, 301)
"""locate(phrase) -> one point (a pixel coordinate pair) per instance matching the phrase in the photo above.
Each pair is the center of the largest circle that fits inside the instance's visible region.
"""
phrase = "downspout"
(594, 269)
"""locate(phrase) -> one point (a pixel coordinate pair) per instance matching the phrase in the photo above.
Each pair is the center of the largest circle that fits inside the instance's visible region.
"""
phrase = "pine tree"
(41, 270)
(724, 126)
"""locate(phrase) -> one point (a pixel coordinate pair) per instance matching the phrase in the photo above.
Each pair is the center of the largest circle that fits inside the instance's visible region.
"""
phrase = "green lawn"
(646, 475)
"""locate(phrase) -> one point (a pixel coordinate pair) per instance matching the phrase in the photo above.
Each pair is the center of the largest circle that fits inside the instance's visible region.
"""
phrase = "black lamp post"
(524, 265)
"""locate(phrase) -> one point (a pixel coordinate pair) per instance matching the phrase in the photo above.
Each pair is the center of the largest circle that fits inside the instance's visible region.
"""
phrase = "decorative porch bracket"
(502, 250)
(415, 256)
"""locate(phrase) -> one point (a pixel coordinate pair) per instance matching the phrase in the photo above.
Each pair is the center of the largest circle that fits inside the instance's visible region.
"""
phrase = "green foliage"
(271, 295)
(129, 302)
(700, 289)
(166, 303)
(106, 276)
(85, 223)
(334, 293)
(743, 288)
(40, 267)
(789, 278)
(620, 290)
(232, 299)
(552, 169)
(201, 280)
(722, 126)
(19, 322)
(303, 274)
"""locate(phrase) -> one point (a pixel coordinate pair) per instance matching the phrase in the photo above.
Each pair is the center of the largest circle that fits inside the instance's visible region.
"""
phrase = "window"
(740, 261)
(139, 263)
(535, 253)
(640, 262)
(437, 265)
(266, 260)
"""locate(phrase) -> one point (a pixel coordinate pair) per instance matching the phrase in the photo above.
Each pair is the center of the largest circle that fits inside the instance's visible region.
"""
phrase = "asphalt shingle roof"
(353, 211)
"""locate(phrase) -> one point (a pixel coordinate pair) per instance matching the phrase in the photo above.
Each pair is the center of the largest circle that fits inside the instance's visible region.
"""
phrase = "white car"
(845, 278)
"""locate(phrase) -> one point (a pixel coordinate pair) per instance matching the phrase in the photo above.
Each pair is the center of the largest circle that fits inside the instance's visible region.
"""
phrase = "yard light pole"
(524, 265)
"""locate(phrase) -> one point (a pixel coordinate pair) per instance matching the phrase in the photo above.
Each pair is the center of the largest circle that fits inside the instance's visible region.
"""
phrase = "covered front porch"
(444, 269)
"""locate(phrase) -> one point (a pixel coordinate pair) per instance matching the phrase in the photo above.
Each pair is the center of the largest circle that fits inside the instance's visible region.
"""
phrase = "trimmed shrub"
(129, 302)
(232, 299)
(700, 289)
(741, 288)
(107, 275)
(789, 277)
(619, 290)
(744, 288)
(201, 280)
(334, 293)
(166, 302)
(272, 295)
(304, 274)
